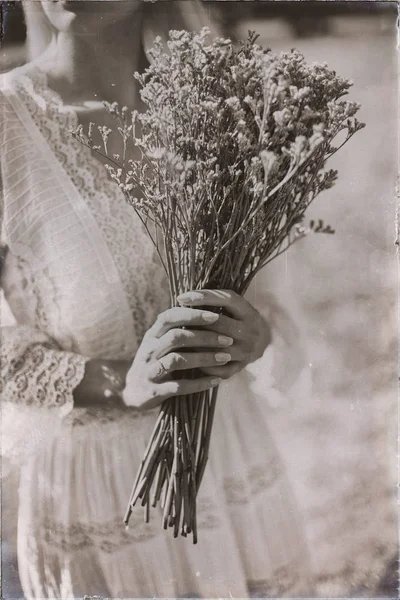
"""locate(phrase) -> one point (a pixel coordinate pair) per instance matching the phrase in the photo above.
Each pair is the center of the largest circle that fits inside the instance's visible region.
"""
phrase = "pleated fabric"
(74, 494)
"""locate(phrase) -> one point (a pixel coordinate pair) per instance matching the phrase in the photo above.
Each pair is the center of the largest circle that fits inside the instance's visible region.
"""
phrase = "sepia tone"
(336, 428)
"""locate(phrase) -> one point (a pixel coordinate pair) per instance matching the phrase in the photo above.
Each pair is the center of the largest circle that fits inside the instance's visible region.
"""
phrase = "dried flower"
(233, 145)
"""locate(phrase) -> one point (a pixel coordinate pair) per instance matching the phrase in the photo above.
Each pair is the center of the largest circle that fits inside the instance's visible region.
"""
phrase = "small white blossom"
(233, 102)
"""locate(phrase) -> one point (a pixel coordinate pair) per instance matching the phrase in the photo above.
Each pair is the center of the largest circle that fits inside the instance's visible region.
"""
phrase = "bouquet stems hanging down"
(233, 144)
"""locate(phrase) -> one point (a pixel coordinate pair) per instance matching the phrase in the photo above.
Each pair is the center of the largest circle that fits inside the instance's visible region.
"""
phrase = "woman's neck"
(95, 67)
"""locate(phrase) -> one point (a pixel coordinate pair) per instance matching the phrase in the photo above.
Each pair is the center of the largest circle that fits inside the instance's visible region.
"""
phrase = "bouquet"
(233, 144)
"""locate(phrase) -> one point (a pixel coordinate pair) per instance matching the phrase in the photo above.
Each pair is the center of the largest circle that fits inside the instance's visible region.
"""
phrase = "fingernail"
(224, 340)
(210, 317)
(222, 357)
(190, 297)
(216, 381)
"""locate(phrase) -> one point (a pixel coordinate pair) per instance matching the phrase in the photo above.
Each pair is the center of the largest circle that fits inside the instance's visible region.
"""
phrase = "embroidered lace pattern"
(284, 580)
(34, 296)
(107, 537)
(206, 514)
(101, 416)
(37, 372)
(240, 489)
(141, 274)
(111, 536)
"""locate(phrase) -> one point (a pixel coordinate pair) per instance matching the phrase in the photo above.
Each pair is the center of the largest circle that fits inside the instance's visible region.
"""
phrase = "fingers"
(225, 371)
(192, 338)
(176, 339)
(230, 327)
(191, 318)
(182, 317)
(235, 304)
(179, 361)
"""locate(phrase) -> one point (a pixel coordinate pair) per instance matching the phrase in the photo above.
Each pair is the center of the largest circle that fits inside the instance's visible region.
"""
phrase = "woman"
(94, 342)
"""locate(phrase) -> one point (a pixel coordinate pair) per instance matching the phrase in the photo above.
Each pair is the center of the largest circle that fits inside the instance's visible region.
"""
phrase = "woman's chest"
(134, 254)
(88, 272)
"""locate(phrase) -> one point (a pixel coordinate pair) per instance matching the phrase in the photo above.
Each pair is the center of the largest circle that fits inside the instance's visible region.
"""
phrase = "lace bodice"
(143, 280)
(81, 275)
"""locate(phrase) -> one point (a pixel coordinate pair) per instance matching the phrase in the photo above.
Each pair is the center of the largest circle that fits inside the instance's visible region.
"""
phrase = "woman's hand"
(181, 339)
(250, 332)
(184, 338)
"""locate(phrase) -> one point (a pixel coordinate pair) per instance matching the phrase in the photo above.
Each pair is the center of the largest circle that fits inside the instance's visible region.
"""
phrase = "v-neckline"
(84, 181)
(39, 76)
(103, 197)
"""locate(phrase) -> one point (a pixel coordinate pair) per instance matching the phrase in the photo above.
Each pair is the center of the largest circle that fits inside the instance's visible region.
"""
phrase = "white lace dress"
(83, 282)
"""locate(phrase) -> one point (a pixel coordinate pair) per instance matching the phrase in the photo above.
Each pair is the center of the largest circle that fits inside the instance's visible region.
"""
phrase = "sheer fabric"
(83, 281)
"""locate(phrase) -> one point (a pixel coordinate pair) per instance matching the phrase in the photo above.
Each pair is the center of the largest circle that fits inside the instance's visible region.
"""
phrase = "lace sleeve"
(37, 382)
(34, 371)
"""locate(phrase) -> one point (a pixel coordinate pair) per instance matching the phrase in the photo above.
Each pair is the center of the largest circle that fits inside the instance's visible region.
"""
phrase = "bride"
(95, 348)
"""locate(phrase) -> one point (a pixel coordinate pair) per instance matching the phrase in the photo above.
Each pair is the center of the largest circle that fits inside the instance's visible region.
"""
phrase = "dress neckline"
(64, 107)
(36, 72)
(120, 227)
(133, 253)
(50, 102)
(40, 80)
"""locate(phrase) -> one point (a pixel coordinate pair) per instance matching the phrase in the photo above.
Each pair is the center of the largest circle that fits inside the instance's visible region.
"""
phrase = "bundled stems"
(174, 462)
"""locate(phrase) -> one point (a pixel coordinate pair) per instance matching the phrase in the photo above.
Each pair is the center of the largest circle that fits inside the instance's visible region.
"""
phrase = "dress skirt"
(74, 492)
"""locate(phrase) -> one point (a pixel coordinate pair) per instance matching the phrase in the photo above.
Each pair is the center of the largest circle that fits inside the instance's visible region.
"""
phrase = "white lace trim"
(35, 372)
(112, 536)
(242, 489)
(287, 579)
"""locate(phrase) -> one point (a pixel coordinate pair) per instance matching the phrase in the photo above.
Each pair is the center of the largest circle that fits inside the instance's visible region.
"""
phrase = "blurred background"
(339, 438)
